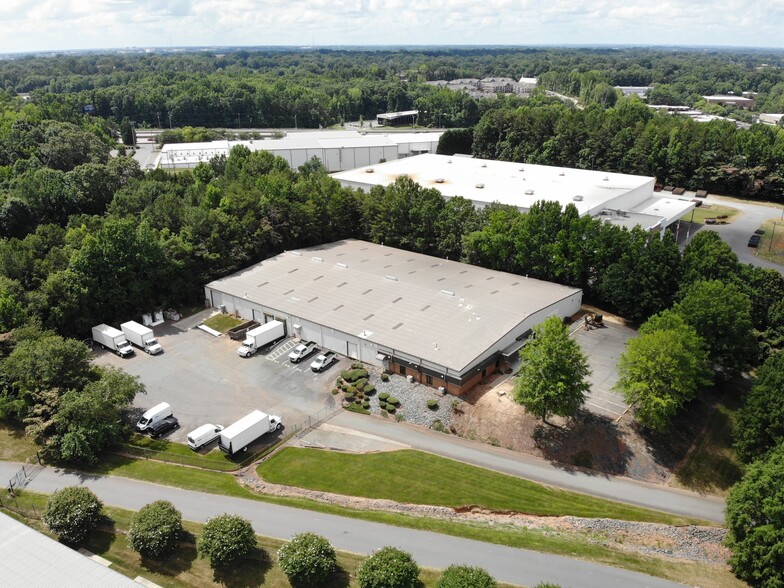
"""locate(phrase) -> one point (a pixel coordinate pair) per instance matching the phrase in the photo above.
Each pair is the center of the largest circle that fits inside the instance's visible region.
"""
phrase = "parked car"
(163, 426)
(204, 435)
(754, 241)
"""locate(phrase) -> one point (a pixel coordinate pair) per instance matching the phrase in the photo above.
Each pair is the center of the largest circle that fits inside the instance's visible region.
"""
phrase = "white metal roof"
(486, 181)
(33, 560)
(442, 311)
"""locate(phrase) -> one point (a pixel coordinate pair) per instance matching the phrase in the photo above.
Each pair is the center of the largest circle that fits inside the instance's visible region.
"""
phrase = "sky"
(52, 25)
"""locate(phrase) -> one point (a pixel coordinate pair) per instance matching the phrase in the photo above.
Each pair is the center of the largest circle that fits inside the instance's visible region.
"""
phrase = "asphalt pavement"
(618, 488)
(431, 550)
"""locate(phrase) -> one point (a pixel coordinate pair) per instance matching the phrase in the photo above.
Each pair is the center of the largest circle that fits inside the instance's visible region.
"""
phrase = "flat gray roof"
(446, 312)
(33, 560)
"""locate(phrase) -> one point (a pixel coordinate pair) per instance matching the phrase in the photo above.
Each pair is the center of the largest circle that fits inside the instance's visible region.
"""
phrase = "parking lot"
(603, 347)
(205, 381)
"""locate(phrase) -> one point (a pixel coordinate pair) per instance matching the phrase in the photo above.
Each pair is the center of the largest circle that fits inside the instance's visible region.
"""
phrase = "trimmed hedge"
(155, 529)
(456, 576)
(393, 400)
(369, 389)
(432, 404)
(226, 538)
(358, 365)
(308, 560)
(71, 513)
(388, 568)
(385, 377)
(383, 396)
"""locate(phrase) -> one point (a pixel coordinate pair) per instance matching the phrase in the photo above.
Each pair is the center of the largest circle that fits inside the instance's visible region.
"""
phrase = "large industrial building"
(337, 150)
(621, 199)
(445, 324)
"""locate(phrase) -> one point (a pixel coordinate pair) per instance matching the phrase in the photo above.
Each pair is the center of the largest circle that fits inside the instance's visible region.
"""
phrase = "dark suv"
(164, 426)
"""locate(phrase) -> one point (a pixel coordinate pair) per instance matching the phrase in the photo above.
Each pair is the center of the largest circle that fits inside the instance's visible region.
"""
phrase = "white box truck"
(111, 338)
(257, 338)
(238, 436)
(142, 337)
(155, 414)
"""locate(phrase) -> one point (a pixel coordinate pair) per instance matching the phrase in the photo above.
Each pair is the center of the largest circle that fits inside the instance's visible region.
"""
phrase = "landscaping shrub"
(355, 374)
(71, 513)
(365, 404)
(351, 390)
(344, 386)
(383, 396)
(361, 383)
(388, 568)
(437, 425)
(358, 365)
(390, 408)
(349, 396)
(432, 404)
(369, 389)
(393, 400)
(357, 408)
(345, 374)
(385, 377)
(155, 529)
(465, 577)
(226, 538)
(308, 560)
(335, 391)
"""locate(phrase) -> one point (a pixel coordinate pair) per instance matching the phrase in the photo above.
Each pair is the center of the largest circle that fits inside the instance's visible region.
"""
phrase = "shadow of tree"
(176, 562)
(590, 442)
(246, 573)
(99, 541)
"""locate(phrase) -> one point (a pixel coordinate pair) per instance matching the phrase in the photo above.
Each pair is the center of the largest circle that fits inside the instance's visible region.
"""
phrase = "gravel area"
(413, 399)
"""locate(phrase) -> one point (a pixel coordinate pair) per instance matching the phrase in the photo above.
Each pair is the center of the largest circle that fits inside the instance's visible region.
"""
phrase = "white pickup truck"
(323, 361)
(301, 351)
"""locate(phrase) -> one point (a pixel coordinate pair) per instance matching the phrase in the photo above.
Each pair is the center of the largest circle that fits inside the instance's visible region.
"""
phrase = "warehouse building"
(443, 323)
(336, 150)
(620, 199)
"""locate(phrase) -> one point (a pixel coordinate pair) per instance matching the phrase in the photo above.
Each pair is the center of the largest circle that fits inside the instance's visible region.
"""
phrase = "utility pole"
(170, 121)
(159, 119)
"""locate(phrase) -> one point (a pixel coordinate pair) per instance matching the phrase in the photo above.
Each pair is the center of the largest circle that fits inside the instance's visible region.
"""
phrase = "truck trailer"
(237, 436)
(111, 338)
(142, 337)
(257, 338)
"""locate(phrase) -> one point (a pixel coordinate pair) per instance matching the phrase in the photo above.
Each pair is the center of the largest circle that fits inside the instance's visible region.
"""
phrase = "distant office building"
(746, 102)
(397, 119)
(770, 119)
(640, 91)
(336, 150)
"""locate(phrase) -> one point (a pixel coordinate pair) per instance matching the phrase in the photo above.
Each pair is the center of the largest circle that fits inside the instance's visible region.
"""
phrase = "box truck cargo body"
(111, 338)
(142, 337)
(245, 431)
(257, 338)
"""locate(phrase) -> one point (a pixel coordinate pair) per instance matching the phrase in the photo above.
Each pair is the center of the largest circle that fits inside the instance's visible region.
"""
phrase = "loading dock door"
(353, 350)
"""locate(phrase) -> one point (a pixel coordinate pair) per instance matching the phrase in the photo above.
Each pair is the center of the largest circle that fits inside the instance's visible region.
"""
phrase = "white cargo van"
(152, 416)
(204, 435)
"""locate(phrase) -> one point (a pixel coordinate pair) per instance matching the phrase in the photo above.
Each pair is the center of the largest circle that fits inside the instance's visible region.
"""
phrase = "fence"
(26, 473)
(227, 464)
(27, 509)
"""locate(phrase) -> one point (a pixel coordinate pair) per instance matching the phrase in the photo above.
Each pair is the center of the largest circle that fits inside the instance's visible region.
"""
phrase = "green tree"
(71, 513)
(155, 529)
(388, 567)
(662, 368)
(755, 520)
(88, 421)
(308, 560)
(465, 577)
(759, 426)
(721, 315)
(708, 257)
(554, 371)
(226, 538)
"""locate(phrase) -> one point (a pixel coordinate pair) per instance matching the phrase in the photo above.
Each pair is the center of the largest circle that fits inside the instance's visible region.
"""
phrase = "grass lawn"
(183, 567)
(711, 211)
(14, 444)
(711, 465)
(164, 450)
(398, 476)
(771, 245)
(223, 322)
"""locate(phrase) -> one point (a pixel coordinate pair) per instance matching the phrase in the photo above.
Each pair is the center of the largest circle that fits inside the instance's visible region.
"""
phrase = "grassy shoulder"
(164, 450)
(15, 445)
(771, 246)
(183, 568)
(398, 476)
(711, 211)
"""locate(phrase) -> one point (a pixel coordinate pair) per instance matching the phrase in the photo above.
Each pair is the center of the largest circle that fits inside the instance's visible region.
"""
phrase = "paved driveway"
(204, 380)
(604, 346)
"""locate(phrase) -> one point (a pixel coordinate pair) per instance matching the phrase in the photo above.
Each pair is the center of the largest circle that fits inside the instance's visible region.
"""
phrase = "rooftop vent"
(393, 278)
(606, 179)
(484, 165)
(448, 292)
(439, 180)
(521, 169)
(449, 161)
(314, 258)
(561, 173)
(529, 192)
(343, 265)
(577, 198)
(297, 253)
(369, 170)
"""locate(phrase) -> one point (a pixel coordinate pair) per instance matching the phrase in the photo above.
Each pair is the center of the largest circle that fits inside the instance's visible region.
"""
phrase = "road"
(622, 489)
(737, 233)
(432, 550)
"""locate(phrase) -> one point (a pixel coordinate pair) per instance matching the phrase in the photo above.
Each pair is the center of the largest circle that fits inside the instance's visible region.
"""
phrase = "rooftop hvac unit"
(529, 192)
(480, 186)
(439, 180)
(577, 198)
(369, 170)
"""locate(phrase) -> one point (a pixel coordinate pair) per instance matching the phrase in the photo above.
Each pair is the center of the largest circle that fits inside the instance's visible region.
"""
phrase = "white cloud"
(73, 24)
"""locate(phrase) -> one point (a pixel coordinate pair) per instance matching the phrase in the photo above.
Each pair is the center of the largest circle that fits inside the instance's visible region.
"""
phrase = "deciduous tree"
(760, 422)
(71, 513)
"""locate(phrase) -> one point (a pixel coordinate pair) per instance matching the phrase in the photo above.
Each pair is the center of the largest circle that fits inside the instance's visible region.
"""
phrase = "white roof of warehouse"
(33, 560)
(443, 311)
(501, 181)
